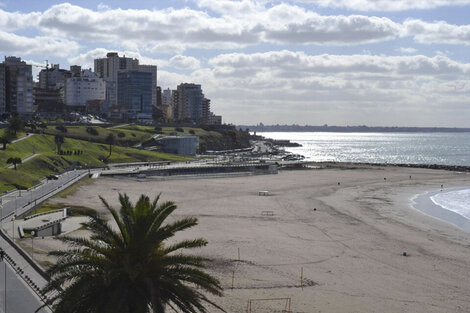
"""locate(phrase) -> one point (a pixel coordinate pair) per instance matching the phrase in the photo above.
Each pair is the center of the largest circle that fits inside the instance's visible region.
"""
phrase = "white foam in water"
(457, 201)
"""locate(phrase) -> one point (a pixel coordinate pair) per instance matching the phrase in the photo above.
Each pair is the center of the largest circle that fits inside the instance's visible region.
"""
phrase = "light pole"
(13, 226)
(2, 257)
(1, 213)
(32, 244)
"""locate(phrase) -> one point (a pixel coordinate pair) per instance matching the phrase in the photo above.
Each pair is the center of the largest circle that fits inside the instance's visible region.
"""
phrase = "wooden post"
(301, 277)
(233, 278)
(238, 254)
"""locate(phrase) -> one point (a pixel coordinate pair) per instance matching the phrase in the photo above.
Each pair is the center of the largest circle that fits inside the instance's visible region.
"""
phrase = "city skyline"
(379, 63)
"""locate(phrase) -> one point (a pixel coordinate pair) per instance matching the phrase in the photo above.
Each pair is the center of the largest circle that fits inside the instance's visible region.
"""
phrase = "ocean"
(457, 201)
(404, 148)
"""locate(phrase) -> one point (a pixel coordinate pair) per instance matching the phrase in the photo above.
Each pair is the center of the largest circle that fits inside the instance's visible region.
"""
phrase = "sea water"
(404, 148)
(457, 201)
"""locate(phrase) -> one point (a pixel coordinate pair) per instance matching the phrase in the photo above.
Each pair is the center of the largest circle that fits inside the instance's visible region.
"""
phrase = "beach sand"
(350, 248)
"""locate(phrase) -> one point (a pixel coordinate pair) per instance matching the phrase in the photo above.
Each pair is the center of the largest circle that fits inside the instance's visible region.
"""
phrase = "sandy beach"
(348, 239)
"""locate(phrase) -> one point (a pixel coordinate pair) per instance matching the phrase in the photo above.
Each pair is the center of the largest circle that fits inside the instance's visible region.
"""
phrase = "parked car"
(52, 177)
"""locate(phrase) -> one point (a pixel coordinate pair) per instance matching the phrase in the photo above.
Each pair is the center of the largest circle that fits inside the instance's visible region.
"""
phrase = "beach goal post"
(276, 301)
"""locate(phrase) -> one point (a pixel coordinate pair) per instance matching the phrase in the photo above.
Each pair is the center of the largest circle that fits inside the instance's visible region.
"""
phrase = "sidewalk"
(24, 160)
(23, 269)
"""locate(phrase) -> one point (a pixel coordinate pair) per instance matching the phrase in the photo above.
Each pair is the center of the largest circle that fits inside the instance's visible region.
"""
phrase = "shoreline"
(423, 203)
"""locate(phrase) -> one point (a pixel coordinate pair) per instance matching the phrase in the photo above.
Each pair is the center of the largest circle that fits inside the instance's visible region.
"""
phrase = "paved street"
(19, 201)
(20, 299)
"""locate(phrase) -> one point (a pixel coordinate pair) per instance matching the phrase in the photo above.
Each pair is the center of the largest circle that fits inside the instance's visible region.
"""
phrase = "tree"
(15, 124)
(59, 140)
(5, 139)
(110, 140)
(14, 161)
(133, 268)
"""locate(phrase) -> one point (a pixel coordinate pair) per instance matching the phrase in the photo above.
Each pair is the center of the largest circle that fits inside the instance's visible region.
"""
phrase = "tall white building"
(81, 89)
(166, 97)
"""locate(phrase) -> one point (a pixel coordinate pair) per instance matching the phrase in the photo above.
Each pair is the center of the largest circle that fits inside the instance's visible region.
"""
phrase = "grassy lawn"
(48, 161)
(124, 137)
(168, 130)
(74, 210)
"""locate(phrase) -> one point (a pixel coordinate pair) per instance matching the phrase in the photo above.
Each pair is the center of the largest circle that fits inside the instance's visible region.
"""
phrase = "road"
(19, 201)
(19, 297)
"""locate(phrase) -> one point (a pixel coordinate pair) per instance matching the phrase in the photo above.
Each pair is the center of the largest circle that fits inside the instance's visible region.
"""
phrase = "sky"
(335, 62)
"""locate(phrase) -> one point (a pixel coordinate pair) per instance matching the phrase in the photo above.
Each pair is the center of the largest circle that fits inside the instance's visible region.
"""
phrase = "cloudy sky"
(339, 62)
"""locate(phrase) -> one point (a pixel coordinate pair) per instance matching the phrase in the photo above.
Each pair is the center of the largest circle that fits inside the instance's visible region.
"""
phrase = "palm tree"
(4, 140)
(14, 161)
(131, 269)
(59, 140)
(110, 140)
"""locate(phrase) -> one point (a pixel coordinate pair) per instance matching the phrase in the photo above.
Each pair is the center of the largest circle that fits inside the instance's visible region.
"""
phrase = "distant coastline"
(351, 129)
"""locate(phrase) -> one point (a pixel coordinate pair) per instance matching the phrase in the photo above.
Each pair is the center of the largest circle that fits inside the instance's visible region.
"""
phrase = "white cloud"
(337, 88)
(407, 50)
(14, 20)
(386, 5)
(12, 43)
(287, 24)
(238, 24)
(298, 63)
(87, 59)
(437, 32)
(103, 7)
(194, 28)
(184, 62)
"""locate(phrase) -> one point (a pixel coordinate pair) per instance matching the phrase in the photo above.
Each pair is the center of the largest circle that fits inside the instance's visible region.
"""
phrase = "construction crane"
(46, 67)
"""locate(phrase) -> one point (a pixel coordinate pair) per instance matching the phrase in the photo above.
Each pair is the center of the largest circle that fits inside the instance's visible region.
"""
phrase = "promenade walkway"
(24, 160)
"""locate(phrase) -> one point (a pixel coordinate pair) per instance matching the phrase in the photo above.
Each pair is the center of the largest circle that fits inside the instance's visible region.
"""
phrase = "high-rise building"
(174, 105)
(81, 89)
(2, 88)
(135, 94)
(49, 101)
(159, 95)
(18, 86)
(151, 69)
(189, 106)
(110, 66)
(109, 69)
(53, 78)
(206, 110)
(49, 95)
(166, 97)
(76, 70)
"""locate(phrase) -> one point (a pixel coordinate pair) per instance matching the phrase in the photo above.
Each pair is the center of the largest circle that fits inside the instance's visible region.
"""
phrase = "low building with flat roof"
(182, 145)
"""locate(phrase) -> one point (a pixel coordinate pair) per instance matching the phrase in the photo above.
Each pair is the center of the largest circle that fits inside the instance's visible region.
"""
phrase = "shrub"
(121, 135)
(62, 128)
(158, 129)
(179, 129)
(92, 131)
(191, 131)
